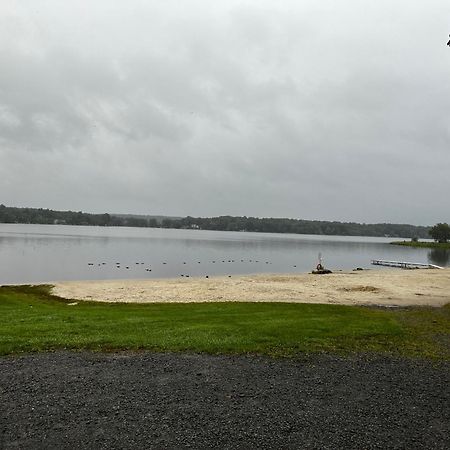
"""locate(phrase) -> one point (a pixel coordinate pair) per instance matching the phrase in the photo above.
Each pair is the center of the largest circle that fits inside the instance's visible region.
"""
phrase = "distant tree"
(440, 232)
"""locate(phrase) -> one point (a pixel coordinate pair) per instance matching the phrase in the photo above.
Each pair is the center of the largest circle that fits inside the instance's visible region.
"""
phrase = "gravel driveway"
(146, 400)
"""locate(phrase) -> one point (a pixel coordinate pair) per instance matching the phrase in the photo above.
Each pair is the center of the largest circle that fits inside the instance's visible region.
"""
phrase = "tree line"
(48, 216)
(297, 226)
(222, 223)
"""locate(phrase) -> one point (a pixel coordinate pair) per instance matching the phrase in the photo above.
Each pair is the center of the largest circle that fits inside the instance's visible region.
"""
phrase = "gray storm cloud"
(318, 110)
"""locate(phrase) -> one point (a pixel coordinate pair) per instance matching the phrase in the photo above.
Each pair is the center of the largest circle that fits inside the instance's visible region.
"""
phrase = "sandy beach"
(368, 287)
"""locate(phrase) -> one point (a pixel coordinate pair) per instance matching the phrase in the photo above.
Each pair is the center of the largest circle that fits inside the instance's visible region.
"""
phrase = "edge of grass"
(32, 319)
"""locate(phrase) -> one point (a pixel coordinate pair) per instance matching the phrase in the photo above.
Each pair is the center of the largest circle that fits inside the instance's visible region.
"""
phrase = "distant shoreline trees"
(221, 223)
(296, 226)
(51, 217)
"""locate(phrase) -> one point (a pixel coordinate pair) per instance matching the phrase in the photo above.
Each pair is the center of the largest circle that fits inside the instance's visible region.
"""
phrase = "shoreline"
(425, 287)
(423, 244)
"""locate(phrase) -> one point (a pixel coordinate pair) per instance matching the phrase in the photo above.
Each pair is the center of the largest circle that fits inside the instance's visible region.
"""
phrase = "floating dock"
(404, 264)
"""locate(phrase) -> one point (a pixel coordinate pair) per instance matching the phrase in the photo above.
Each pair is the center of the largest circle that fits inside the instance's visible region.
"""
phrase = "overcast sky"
(318, 109)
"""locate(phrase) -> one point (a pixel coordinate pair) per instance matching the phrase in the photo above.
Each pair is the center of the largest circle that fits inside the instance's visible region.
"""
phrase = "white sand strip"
(370, 287)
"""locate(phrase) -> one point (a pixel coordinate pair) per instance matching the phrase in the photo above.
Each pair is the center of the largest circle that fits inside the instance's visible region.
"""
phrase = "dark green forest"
(48, 216)
(223, 223)
(296, 226)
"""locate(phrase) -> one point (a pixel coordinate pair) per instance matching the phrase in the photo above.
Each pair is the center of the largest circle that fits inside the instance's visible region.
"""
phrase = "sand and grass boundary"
(368, 287)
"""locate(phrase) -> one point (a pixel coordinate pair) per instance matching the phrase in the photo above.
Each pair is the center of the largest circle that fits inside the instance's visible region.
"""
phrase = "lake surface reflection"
(45, 253)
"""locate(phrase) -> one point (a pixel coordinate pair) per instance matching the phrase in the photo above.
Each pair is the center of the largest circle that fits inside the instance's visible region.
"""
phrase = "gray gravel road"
(94, 401)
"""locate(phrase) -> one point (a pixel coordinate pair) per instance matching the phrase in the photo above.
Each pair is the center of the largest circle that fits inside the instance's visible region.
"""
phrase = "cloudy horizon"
(310, 110)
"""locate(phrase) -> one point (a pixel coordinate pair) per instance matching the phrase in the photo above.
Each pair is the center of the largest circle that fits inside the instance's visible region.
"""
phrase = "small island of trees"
(439, 232)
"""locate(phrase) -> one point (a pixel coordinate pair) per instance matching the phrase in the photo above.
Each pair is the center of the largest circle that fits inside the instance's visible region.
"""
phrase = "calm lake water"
(45, 253)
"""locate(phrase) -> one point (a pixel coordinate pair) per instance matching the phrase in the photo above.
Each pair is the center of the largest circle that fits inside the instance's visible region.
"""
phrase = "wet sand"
(368, 287)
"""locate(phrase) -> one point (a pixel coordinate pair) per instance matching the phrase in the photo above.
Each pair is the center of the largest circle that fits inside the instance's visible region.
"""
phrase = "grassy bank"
(33, 320)
(419, 244)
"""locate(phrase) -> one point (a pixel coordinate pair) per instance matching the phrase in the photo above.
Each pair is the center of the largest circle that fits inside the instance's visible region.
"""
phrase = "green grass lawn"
(33, 320)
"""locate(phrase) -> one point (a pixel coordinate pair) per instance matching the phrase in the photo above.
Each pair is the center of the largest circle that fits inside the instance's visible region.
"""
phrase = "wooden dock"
(404, 264)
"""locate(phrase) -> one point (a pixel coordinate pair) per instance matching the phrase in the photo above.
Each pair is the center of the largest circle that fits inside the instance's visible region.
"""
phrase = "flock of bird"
(119, 265)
